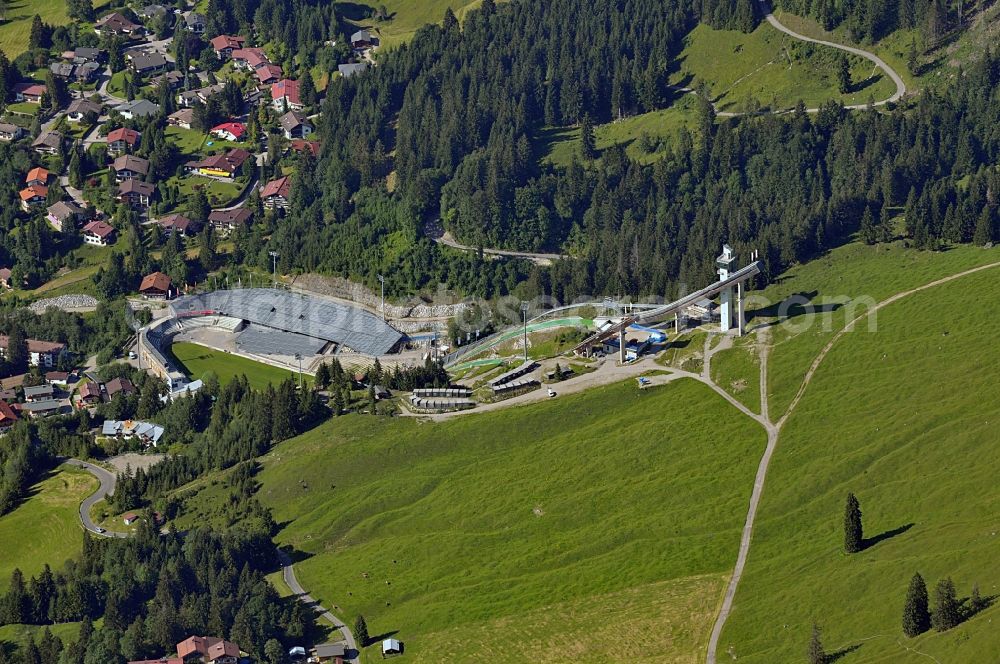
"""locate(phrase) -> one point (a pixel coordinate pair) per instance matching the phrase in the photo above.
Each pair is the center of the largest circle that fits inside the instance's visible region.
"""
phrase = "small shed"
(130, 518)
(392, 647)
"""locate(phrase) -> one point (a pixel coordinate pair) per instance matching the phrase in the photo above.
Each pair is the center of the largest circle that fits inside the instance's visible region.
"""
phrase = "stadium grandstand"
(278, 322)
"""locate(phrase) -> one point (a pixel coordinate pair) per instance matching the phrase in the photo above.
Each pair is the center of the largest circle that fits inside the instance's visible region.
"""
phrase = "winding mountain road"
(107, 487)
(288, 574)
(435, 231)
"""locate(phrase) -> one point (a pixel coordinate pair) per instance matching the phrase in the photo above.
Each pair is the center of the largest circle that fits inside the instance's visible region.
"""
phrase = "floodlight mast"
(274, 267)
(524, 318)
(381, 281)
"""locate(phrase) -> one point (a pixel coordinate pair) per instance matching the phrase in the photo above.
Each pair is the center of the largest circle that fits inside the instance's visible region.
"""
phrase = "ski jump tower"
(729, 317)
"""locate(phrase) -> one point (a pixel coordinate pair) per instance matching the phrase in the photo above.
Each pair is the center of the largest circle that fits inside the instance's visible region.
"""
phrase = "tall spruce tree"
(853, 532)
(916, 612)
(947, 611)
(361, 631)
(588, 144)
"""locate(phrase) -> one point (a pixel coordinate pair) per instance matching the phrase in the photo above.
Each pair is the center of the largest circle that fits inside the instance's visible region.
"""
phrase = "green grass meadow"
(51, 516)
(14, 31)
(197, 360)
(905, 418)
(557, 527)
(406, 16)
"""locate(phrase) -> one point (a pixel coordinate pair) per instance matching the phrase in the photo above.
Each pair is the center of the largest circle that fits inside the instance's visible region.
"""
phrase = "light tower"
(725, 263)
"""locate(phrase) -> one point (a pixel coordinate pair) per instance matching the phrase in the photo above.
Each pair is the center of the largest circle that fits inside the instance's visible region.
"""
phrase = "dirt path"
(773, 431)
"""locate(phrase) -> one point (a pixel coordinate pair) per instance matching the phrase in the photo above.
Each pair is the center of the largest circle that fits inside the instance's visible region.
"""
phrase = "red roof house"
(274, 194)
(123, 140)
(230, 131)
(7, 416)
(37, 175)
(157, 285)
(286, 91)
(224, 45)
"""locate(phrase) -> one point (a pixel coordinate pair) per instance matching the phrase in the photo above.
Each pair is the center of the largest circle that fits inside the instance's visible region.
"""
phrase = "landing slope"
(598, 525)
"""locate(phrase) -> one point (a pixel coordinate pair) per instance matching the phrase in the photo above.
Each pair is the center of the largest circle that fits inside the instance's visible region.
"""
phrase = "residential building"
(99, 234)
(352, 68)
(177, 223)
(182, 118)
(29, 92)
(86, 72)
(80, 108)
(136, 193)
(37, 175)
(84, 54)
(221, 165)
(274, 194)
(42, 408)
(11, 132)
(156, 286)
(61, 69)
(123, 140)
(38, 392)
(130, 167)
(7, 416)
(117, 386)
(249, 58)
(5, 275)
(60, 378)
(32, 196)
(40, 353)
(226, 221)
(189, 97)
(147, 63)
(295, 125)
(174, 79)
(139, 108)
(149, 434)
(153, 11)
(229, 131)
(63, 215)
(328, 653)
(285, 95)
(268, 74)
(302, 146)
(224, 45)
(90, 393)
(162, 660)
(116, 24)
(208, 650)
(195, 22)
(362, 39)
(48, 142)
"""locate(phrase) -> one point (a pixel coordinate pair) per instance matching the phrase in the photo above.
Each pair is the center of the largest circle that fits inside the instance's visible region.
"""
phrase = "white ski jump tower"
(728, 317)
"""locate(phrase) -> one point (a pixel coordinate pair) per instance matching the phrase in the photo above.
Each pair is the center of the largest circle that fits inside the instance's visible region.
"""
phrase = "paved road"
(288, 574)
(436, 232)
(107, 487)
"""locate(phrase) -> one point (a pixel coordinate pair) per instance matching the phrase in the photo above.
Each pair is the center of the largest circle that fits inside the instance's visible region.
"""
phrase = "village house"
(144, 64)
(84, 54)
(208, 650)
(139, 108)
(42, 408)
(195, 22)
(328, 653)
(149, 434)
(153, 11)
(352, 68)
(11, 132)
(274, 194)
(37, 175)
(64, 215)
(80, 108)
(61, 69)
(99, 234)
(90, 393)
(362, 39)
(189, 97)
(123, 140)
(229, 131)
(177, 223)
(136, 193)
(40, 353)
(285, 96)
(116, 24)
(268, 74)
(8, 417)
(221, 165)
(48, 142)
(5, 275)
(60, 378)
(224, 45)
(33, 196)
(38, 392)
(174, 79)
(130, 167)
(29, 92)
(119, 385)
(295, 125)
(86, 72)
(182, 118)
(249, 58)
(156, 286)
(226, 221)
(301, 146)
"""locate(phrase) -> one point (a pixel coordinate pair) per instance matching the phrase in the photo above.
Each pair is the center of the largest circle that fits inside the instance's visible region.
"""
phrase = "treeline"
(225, 426)
(871, 20)
(152, 591)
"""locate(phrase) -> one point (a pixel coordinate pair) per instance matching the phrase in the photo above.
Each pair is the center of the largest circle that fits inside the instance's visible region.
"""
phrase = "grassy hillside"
(599, 525)
(771, 68)
(46, 527)
(197, 360)
(902, 417)
(15, 30)
(406, 16)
